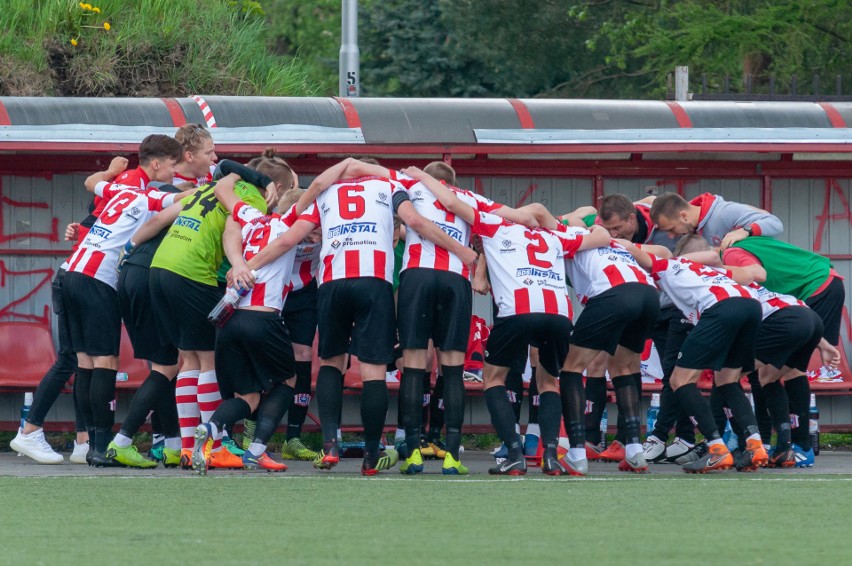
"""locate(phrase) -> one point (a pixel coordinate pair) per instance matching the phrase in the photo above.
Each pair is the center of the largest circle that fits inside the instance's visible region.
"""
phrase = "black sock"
(503, 420)
(301, 400)
(82, 396)
(735, 399)
(229, 412)
(374, 411)
(620, 430)
(550, 417)
(271, 410)
(143, 401)
(411, 405)
(167, 409)
(329, 402)
(627, 397)
(595, 403)
(436, 409)
(573, 406)
(717, 406)
(534, 401)
(694, 405)
(761, 410)
(453, 406)
(799, 393)
(101, 397)
(515, 392)
(775, 397)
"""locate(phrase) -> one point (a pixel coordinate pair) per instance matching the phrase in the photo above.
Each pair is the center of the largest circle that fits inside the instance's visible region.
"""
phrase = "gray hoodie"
(718, 217)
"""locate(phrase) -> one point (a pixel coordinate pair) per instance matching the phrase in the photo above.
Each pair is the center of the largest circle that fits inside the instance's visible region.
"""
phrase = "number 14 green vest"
(192, 247)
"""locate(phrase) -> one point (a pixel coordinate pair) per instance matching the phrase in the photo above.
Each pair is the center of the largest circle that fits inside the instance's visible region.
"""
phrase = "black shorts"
(94, 320)
(63, 330)
(668, 335)
(181, 307)
(435, 305)
(253, 353)
(507, 344)
(829, 306)
(724, 337)
(621, 316)
(300, 314)
(360, 309)
(138, 314)
(788, 337)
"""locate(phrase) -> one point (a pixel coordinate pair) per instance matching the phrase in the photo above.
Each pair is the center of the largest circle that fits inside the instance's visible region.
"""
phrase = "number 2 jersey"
(126, 209)
(192, 247)
(273, 280)
(356, 217)
(694, 287)
(526, 266)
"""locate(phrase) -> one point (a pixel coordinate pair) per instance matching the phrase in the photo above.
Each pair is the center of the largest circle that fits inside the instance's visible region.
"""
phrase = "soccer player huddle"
(224, 273)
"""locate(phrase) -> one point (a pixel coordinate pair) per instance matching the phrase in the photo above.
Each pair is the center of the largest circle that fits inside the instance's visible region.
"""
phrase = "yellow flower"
(82, 5)
(106, 26)
(96, 10)
(86, 6)
(74, 42)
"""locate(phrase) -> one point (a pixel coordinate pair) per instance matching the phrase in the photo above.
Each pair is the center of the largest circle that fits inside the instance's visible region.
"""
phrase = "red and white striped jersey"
(694, 287)
(420, 252)
(772, 302)
(356, 216)
(196, 181)
(597, 270)
(526, 266)
(306, 262)
(126, 210)
(272, 282)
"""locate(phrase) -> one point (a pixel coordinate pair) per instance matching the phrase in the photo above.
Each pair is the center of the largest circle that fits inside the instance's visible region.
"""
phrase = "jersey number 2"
(538, 247)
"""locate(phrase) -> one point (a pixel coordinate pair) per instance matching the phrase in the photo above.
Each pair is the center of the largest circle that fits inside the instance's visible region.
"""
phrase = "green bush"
(143, 48)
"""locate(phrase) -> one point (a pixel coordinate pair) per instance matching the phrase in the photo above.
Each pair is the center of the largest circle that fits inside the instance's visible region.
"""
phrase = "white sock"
(577, 454)
(399, 435)
(755, 436)
(155, 438)
(717, 441)
(533, 429)
(122, 441)
(173, 443)
(257, 449)
(633, 449)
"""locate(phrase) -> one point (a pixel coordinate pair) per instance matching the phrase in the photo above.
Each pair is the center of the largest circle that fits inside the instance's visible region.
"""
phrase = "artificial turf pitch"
(346, 519)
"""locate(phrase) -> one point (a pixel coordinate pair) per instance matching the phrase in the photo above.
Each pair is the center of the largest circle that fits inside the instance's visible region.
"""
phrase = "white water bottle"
(604, 425)
(25, 410)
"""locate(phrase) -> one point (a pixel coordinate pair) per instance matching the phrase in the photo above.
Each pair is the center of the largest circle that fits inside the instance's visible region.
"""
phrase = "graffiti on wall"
(832, 187)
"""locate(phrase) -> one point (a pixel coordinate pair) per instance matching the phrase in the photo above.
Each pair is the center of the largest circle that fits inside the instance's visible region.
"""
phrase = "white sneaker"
(79, 454)
(35, 446)
(681, 452)
(654, 449)
(575, 467)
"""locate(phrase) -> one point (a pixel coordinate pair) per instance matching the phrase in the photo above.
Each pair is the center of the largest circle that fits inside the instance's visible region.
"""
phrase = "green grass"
(345, 519)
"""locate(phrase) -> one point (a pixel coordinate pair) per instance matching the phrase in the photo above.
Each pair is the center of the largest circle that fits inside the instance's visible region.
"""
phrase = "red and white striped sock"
(209, 400)
(189, 417)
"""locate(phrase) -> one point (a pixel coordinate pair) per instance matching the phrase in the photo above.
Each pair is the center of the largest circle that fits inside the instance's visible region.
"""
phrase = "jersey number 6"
(352, 205)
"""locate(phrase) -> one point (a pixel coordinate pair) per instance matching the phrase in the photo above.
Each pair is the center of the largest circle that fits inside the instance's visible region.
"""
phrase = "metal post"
(681, 83)
(349, 83)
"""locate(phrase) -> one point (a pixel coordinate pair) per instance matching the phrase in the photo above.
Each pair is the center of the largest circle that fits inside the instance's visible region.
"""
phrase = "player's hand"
(414, 173)
(469, 257)
(480, 285)
(241, 276)
(117, 165)
(733, 237)
(271, 196)
(830, 356)
(72, 231)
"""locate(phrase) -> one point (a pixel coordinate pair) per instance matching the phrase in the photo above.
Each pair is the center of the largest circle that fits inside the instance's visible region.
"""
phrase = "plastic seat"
(27, 351)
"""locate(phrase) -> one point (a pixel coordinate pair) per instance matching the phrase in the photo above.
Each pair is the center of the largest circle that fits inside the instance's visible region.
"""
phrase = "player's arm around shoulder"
(116, 167)
(445, 196)
(645, 260)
